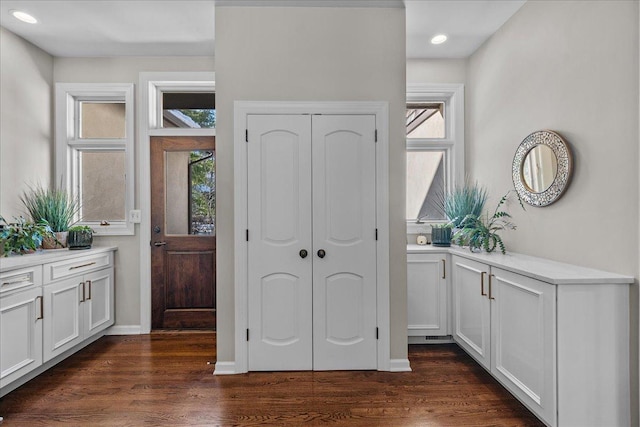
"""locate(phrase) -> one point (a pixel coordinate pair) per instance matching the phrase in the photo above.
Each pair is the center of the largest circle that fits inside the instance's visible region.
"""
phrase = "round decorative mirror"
(542, 168)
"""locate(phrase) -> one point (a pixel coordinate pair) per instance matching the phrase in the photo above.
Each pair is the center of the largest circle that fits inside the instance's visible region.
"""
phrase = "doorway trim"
(151, 84)
(241, 110)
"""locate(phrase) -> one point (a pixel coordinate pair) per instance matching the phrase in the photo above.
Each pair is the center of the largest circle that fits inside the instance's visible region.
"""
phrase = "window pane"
(102, 186)
(188, 110)
(425, 120)
(190, 192)
(425, 185)
(102, 120)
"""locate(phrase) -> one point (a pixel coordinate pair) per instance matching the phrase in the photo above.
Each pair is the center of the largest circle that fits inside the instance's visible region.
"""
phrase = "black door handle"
(321, 253)
(303, 253)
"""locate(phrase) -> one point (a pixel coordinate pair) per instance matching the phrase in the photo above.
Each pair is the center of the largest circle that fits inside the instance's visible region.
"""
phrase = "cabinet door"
(20, 334)
(98, 305)
(471, 308)
(523, 339)
(62, 316)
(427, 294)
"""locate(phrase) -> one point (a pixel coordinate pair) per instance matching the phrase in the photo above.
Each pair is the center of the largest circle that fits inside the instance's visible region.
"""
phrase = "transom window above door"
(194, 110)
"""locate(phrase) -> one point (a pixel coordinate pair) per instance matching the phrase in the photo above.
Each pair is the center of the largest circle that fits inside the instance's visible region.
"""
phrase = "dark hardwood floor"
(165, 379)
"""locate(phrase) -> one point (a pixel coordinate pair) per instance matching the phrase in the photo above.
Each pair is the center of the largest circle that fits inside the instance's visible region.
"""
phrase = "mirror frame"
(561, 181)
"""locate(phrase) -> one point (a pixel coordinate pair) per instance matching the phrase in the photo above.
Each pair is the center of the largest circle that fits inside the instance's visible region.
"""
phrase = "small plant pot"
(80, 240)
(441, 237)
(57, 241)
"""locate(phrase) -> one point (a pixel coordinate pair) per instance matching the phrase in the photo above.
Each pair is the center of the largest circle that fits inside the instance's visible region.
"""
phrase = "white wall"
(437, 71)
(124, 70)
(571, 67)
(310, 54)
(26, 125)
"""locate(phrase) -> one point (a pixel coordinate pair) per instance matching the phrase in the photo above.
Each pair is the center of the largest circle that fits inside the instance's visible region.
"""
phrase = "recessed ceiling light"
(440, 38)
(23, 16)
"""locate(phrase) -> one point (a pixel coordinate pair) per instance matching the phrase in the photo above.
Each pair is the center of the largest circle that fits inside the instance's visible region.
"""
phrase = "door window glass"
(190, 192)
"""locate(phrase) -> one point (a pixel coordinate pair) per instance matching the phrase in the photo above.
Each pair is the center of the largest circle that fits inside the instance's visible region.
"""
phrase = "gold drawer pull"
(20, 279)
(83, 265)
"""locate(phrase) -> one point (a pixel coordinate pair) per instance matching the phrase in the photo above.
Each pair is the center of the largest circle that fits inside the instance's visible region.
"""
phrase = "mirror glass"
(539, 168)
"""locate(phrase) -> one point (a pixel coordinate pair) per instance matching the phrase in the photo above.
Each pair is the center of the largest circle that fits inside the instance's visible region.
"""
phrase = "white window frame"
(452, 144)
(69, 144)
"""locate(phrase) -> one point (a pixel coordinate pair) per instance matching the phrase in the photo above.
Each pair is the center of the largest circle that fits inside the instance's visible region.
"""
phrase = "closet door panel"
(279, 218)
(344, 226)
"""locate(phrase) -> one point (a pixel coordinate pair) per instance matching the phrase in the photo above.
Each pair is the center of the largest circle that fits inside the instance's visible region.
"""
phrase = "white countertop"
(556, 273)
(43, 256)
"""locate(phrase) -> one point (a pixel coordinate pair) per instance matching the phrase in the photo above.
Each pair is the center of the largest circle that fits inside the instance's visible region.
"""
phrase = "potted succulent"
(464, 202)
(80, 237)
(22, 236)
(53, 207)
(481, 232)
(441, 234)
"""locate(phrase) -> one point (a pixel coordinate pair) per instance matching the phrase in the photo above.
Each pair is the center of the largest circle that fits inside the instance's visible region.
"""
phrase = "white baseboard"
(225, 368)
(399, 365)
(124, 330)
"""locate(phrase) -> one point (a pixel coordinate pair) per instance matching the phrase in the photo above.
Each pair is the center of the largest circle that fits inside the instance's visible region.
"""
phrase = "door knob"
(159, 243)
(321, 253)
(303, 253)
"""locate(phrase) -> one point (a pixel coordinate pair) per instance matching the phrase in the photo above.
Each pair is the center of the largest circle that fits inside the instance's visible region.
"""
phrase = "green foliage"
(55, 207)
(463, 203)
(81, 228)
(22, 236)
(205, 118)
(440, 226)
(481, 232)
(203, 182)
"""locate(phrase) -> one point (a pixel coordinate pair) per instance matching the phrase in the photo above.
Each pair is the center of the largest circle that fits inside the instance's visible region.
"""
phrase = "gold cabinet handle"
(490, 294)
(89, 282)
(444, 268)
(41, 308)
(83, 292)
(482, 284)
(83, 265)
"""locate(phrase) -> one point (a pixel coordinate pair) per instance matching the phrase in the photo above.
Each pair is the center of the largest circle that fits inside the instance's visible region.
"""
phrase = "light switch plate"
(135, 216)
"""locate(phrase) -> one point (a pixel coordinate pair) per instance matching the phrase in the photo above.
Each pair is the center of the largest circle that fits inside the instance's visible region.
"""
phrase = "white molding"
(453, 96)
(381, 112)
(68, 143)
(124, 330)
(225, 368)
(395, 4)
(399, 365)
(147, 93)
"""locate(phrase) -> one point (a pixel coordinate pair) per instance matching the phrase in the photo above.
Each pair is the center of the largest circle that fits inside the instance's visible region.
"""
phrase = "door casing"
(241, 110)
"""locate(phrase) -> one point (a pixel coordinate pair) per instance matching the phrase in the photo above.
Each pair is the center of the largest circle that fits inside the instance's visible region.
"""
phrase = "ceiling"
(186, 28)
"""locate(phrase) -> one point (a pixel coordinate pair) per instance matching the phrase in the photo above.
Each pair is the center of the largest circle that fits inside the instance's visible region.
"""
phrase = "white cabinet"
(52, 303)
(79, 305)
(427, 295)
(556, 336)
(506, 321)
(20, 323)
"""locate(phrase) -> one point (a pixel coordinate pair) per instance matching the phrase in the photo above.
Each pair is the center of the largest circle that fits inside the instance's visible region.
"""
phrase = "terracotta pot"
(58, 241)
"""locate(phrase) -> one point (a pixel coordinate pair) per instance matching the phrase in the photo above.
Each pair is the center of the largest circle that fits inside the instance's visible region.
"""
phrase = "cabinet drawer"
(20, 279)
(76, 266)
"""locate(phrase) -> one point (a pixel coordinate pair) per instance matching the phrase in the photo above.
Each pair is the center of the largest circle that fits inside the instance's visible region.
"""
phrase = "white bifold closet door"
(312, 249)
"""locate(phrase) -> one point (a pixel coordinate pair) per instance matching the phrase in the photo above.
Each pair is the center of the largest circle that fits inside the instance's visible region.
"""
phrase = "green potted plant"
(481, 232)
(54, 207)
(80, 237)
(22, 236)
(464, 202)
(441, 235)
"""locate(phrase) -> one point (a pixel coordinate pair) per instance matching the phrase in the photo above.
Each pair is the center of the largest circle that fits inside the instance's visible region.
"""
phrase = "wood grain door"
(183, 233)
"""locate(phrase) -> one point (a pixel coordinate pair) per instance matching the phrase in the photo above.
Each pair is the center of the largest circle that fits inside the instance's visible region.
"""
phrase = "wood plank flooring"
(164, 379)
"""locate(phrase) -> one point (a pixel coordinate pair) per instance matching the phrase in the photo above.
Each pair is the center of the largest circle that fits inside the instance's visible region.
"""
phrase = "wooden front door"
(183, 242)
